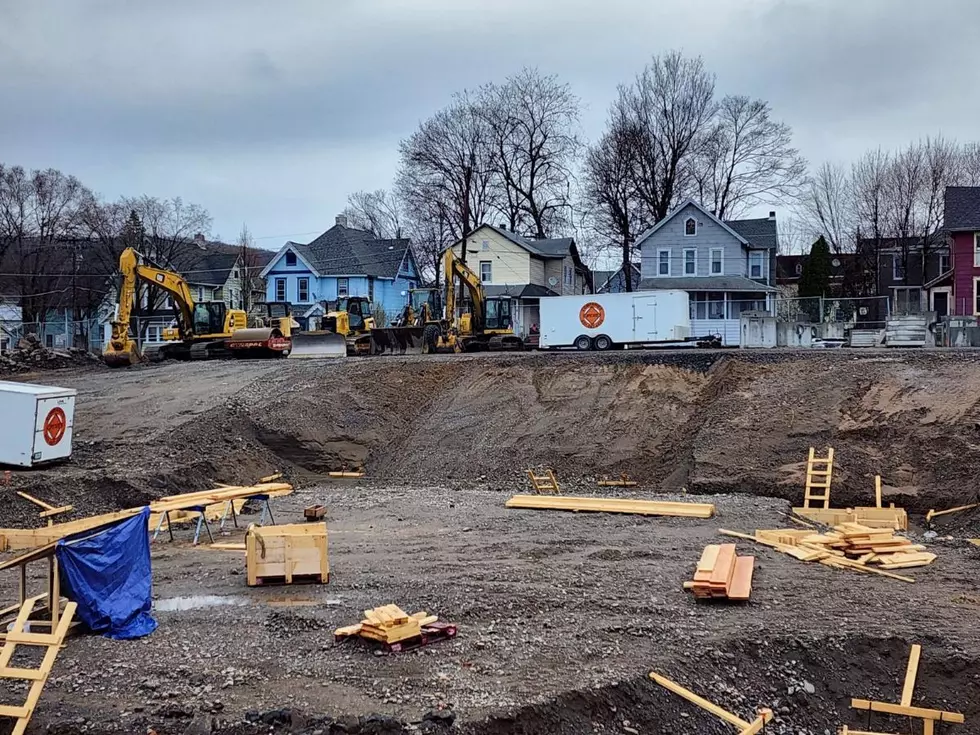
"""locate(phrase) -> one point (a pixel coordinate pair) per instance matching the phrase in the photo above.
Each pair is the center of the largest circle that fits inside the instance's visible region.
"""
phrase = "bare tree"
(378, 212)
(250, 267)
(828, 206)
(669, 108)
(610, 189)
(747, 159)
(970, 165)
(533, 126)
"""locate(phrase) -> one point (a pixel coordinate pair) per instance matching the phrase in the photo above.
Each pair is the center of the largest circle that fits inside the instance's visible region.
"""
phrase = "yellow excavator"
(487, 325)
(204, 330)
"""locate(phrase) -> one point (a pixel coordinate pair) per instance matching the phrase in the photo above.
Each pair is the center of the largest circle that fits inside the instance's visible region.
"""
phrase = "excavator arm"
(454, 268)
(122, 350)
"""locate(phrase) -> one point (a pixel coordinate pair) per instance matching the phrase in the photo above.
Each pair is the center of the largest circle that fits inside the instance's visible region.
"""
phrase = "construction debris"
(396, 630)
(744, 728)
(904, 708)
(30, 354)
(546, 484)
(287, 554)
(722, 574)
(612, 505)
(849, 545)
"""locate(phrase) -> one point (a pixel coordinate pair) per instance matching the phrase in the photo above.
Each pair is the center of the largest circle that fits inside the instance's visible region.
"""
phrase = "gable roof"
(962, 208)
(559, 247)
(680, 208)
(760, 233)
(601, 279)
(343, 251)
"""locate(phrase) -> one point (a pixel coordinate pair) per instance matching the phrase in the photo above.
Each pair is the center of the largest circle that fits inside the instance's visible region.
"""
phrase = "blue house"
(342, 262)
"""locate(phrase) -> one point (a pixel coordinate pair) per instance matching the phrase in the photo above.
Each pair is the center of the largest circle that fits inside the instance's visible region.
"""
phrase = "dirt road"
(561, 615)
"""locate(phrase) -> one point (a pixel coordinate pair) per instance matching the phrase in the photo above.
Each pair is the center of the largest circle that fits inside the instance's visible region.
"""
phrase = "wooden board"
(910, 673)
(701, 702)
(921, 713)
(740, 587)
(286, 552)
(894, 518)
(612, 505)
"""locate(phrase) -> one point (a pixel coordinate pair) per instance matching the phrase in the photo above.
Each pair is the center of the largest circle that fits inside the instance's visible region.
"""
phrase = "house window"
(976, 249)
(569, 275)
(218, 294)
(200, 293)
(290, 258)
(486, 271)
(303, 290)
(898, 268)
(799, 269)
(280, 289)
(485, 245)
(690, 227)
(690, 262)
(757, 260)
(717, 262)
(234, 274)
(707, 305)
(945, 265)
(976, 296)
(371, 290)
(343, 287)
(49, 341)
(663, 262)
(153, 333)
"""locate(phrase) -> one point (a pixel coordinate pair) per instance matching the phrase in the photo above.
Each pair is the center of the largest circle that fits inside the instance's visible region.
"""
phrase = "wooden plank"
(721, 576)
(708, 558)
(759, 723)
(897, 709)
(56, 511)
(704, 704)
(841, 563)
(877, 491)
(36, 501)
(910, 674)
(612, 505)
(8, 672)
(741, 585)
(16, 712)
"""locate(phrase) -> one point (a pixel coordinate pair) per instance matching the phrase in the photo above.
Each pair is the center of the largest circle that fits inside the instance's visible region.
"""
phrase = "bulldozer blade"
(396, 340)
(318, 344)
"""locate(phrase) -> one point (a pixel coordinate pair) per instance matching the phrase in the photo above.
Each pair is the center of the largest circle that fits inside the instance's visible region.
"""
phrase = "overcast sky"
(272, 112)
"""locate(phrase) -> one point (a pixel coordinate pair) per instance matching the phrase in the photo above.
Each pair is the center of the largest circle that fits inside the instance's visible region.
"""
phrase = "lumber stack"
(388, 624)
(721, 573)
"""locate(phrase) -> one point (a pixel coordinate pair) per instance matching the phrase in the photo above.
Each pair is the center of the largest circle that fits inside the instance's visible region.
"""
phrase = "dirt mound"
(30, 355)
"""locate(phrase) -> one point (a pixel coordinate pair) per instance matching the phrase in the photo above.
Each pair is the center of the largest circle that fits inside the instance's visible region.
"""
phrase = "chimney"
(200, 241)
(772, 215)
(342, 220)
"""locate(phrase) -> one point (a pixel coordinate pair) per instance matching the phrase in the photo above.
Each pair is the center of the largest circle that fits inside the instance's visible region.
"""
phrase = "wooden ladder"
(38, 677)
(546, 484)
(819, 473)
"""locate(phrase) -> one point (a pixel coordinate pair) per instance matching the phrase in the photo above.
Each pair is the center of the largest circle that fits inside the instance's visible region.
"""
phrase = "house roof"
(962, 208)
(343, 251)
(789, 267)
(704, 283)
(601, 279)
(760, 233)
(937, 243)
(520, 291)
(559, 247)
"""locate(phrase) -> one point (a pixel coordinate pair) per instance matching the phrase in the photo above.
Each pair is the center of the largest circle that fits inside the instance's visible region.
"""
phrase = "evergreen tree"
(815, 278)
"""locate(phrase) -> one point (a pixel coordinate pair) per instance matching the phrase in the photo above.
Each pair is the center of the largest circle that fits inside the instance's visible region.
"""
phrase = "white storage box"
(35, 423)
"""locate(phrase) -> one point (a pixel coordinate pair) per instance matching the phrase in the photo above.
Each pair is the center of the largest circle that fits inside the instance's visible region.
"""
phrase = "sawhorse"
(202, 519)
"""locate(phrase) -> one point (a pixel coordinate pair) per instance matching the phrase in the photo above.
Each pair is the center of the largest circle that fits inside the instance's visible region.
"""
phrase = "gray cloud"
(272, 112)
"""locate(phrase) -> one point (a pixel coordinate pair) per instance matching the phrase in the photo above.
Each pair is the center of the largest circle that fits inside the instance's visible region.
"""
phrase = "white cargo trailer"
(608, 320)
(35, 423)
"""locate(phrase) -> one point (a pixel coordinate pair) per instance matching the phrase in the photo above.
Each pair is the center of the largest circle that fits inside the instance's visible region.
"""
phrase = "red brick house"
(962, 223)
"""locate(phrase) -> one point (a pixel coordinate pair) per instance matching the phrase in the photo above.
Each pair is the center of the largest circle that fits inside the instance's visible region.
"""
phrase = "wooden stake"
(877, 491)
(701, 702)
(910, 674)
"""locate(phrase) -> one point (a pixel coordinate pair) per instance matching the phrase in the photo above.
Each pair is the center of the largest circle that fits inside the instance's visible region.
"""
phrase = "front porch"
(719, 313)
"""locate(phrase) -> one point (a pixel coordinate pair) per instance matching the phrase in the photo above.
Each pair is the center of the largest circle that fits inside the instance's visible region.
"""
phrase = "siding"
(963, 274)
(537, 272)
(552, 269)
(510, 263)
(710, 235)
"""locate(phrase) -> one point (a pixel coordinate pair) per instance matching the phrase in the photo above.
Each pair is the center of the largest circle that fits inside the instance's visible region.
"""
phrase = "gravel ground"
(561, 615)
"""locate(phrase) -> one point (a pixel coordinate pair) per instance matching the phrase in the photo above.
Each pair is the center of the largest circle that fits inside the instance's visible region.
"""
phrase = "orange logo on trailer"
(55, 424)
(592, 315)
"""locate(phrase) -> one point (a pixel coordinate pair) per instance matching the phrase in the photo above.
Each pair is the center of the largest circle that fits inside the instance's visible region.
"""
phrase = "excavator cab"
(209, 318)
(498, 315)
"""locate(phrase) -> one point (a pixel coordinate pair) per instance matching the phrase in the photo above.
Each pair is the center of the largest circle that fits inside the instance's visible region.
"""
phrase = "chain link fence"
(867, 312)
(57, 334)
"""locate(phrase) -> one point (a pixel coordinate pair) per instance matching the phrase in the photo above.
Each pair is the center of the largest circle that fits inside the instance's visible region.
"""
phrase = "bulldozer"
(485, 323)
(203, 329)
(345, 330)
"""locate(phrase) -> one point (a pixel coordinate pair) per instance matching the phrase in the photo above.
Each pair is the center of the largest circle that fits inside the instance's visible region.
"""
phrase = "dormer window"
(690, 227)
(799, 269)
(290, 258)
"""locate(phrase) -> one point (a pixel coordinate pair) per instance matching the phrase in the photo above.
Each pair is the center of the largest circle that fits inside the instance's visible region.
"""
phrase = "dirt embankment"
(710, 422)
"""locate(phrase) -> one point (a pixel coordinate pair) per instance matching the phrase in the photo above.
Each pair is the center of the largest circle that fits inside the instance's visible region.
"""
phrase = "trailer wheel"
(583, 342)
(603, 343)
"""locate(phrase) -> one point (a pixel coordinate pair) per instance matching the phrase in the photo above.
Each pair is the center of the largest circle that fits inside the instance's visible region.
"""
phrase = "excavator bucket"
(318, 344)
(121, 354)
(397, 341)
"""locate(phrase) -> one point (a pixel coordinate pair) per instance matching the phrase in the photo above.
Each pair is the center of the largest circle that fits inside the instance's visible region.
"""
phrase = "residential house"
(962, 225)
(789, 270)
(526, 269)
(726, 267)
(340, 263)
(615, 281)
(902, 268)
(10, 325)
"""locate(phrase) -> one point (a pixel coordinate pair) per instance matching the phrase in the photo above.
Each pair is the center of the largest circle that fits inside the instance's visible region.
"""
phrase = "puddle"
(202, 602)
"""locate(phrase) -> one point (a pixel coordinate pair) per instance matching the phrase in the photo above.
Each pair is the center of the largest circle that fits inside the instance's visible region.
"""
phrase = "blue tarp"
(107, 572)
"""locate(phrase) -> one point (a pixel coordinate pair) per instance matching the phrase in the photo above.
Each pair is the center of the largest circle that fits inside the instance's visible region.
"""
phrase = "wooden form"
(388, 624)
(281, 554)
(213, 500)
(38, 677)
(895, 518)
(904, 708)
(721, 573)
(612, 505)
(314, 512)
(933, 513)
(848, 546)
(544, 484)
(819, 476)
(744, 728)
(622, 481)
(348, 474)
(51, 612)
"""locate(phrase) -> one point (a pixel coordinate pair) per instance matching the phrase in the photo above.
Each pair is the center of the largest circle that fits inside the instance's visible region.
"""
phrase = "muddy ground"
(561, 616)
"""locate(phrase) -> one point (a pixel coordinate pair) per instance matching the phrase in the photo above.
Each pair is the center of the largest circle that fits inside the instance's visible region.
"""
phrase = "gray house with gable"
(727, 267)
